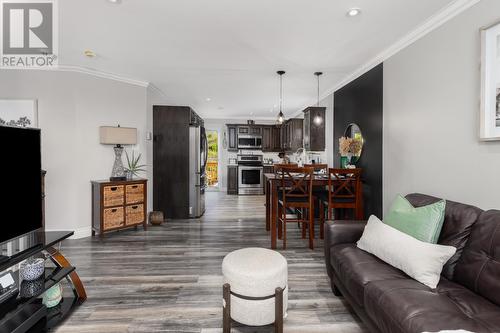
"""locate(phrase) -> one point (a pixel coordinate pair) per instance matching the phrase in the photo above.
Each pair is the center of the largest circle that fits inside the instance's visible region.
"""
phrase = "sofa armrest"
(341, 232)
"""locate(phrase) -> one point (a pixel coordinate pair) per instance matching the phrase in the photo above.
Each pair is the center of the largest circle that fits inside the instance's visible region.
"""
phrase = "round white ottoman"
(253, 275)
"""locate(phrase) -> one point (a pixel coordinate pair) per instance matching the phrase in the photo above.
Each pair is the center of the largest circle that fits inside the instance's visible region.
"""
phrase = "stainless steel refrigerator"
(198, 154)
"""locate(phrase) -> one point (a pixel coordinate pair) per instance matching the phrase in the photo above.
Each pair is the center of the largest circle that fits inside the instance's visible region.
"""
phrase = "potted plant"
(133, 167)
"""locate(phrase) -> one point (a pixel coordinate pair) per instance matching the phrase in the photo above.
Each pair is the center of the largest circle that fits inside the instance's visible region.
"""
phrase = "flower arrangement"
(350, 146)
(356, 146)
(344, 145)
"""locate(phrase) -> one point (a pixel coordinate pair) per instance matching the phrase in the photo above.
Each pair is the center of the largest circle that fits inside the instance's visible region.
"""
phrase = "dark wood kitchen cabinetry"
(232, 179)
(232, 138)
(250, 129)
(266, 138)
(314, 128)
(271, 138)
(291, 134)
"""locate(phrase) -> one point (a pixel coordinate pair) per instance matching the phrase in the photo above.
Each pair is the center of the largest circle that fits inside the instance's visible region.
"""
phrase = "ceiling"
(228, 51)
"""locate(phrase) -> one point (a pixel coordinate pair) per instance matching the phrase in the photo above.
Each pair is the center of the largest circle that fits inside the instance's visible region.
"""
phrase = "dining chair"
(277, 167)
(344, 192)
(319, 192)
(295, 194)
(317, 167)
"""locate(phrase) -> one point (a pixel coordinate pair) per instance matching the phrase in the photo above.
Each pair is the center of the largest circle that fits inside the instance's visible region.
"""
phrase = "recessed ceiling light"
(353, 12)
(208, 99)
(89, 53)
(114, 1)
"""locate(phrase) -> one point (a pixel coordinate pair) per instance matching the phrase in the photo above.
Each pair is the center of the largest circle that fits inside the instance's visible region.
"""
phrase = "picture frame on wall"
(490, 83)
(19, 112)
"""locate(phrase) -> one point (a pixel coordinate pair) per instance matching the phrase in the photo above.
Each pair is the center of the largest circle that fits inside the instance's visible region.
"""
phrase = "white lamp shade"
(118, 135)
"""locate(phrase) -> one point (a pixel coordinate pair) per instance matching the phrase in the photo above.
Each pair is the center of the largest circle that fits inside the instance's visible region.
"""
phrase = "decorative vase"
(129, 175)
(156, 218)
(32, 269)
(354, 160)
(53, 296)
(344, 161)
(32, 288)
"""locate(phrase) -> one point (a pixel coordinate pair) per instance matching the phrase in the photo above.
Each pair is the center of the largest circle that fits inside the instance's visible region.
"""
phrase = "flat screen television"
(20, 170)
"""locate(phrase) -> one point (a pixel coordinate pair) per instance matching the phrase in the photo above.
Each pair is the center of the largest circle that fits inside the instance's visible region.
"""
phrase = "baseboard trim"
(78, 233)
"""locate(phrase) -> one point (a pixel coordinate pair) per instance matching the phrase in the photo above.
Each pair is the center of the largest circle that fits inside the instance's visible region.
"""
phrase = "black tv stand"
(4, 259)
(28, 314)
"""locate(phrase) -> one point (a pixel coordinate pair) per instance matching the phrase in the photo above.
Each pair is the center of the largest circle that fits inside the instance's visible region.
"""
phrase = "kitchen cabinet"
(232, 179)
(267, 139)
(314, 128)
(271, 138)
(250, 129)
(291, 134)
(232, 140)
(256, 130)
(276, 138)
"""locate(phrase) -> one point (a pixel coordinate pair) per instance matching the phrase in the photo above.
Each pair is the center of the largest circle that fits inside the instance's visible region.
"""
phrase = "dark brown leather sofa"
(387, 300)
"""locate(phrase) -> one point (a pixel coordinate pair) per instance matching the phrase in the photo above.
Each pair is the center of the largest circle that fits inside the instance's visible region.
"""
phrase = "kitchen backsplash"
(318, 157)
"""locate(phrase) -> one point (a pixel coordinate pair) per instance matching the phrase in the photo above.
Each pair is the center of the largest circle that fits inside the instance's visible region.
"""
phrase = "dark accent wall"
(361, 102)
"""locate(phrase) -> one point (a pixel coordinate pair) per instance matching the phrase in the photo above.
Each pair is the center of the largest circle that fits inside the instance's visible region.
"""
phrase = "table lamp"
(118, 136)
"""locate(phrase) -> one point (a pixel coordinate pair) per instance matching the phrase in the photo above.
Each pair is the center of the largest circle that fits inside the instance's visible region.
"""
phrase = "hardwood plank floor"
(168, 279)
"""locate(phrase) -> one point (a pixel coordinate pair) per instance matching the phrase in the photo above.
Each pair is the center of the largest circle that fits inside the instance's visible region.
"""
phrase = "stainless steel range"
(250, 174)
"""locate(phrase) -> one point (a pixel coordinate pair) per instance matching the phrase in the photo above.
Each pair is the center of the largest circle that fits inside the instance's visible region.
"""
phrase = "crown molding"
(157, 90)
(101, 74)
(87, 71)
(432, 23)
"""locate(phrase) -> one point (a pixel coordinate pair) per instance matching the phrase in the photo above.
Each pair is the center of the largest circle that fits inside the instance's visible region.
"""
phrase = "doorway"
(212, 169)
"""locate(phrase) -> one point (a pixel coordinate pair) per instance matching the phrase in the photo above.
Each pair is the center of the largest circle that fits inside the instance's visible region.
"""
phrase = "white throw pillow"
(422, 261)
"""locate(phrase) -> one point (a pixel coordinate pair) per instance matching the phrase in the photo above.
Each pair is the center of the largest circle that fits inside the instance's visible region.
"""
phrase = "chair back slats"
(277, 167)
(345, 184)
(317, 167)
(295, 182)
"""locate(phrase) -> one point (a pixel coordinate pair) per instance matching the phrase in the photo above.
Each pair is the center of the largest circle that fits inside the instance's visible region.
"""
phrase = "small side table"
(118, 205)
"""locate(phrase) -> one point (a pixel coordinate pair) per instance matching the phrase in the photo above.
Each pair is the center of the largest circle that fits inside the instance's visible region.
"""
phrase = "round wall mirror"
(354, 132)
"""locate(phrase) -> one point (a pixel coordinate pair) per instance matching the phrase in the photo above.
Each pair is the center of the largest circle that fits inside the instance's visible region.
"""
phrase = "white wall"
(71, 107)
(329, 137)
(431, 116)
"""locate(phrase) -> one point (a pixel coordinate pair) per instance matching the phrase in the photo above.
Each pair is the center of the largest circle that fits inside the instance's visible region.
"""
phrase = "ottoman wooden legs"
(278, 310)
(226, 309)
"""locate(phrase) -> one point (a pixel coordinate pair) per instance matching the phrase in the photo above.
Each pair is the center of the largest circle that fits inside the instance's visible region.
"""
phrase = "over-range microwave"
(249, 141)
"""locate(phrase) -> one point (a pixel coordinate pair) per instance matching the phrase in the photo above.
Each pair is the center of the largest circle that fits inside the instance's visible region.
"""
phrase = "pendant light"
(318, 120)
(281, 116)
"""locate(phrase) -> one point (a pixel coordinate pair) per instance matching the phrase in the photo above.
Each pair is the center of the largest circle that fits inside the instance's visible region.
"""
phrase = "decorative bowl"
(32, 288)
(32, 269)
(53, 296)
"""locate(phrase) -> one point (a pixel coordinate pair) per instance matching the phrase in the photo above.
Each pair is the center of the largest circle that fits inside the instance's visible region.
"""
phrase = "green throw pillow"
(423, 223)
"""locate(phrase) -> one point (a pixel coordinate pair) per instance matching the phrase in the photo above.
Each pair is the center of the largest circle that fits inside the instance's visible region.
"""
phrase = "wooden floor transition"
(168, 279)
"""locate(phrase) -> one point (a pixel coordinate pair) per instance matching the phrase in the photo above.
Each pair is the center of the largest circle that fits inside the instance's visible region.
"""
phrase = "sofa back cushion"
(479, 267)
(457, 225)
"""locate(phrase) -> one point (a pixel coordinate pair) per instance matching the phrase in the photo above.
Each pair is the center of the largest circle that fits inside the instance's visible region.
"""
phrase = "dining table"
(271, 190)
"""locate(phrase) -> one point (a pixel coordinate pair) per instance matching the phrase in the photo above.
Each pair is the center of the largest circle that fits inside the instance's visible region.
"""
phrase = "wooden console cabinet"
(118, 205)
